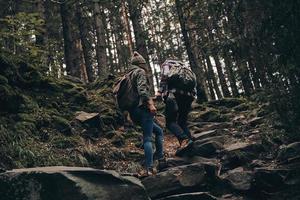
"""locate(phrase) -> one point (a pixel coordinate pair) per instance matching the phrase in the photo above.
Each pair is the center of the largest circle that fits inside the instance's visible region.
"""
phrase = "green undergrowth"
(37, 115)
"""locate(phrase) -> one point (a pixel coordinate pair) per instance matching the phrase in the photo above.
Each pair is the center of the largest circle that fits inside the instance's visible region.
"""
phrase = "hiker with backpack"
(178, 89)
(133, 95)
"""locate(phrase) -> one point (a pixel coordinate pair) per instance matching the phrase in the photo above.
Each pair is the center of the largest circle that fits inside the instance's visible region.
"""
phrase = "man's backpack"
(181, 77)
(126, 95)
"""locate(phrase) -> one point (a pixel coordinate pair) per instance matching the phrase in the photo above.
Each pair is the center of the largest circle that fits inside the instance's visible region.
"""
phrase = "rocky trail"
(240, 150)
(231, 158)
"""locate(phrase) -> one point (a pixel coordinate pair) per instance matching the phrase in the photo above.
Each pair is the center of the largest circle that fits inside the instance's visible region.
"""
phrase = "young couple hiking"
(177, 89)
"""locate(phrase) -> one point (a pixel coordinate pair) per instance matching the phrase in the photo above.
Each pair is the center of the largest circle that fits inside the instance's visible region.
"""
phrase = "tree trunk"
(210, 25)
(252, 66)
(71, 50)
(230, 74)
(83, 69)
(127, 26)
(222, 79)
(86, 42)
(118, 30)
(101, 44)
(244, 74)
(199, 71)
(192, 59)
(41, 39)
(212, 77)
(110, 45)
(140, 35)
(209, 83)
(261, 67)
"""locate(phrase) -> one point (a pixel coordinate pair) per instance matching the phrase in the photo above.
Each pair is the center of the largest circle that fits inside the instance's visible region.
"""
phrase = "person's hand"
(152, 109)
(151, 106)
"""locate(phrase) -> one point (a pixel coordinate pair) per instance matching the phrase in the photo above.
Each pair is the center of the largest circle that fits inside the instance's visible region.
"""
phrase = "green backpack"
(125, 93)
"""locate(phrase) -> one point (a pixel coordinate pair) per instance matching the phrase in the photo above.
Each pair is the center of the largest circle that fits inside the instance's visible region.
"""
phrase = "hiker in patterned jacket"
(178, 89)
(133, 95)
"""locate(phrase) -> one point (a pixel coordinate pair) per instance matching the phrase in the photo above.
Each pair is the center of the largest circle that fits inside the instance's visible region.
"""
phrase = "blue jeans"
(145, 119)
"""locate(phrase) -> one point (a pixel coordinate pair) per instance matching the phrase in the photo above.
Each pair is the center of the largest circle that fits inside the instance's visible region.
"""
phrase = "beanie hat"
(137, 59)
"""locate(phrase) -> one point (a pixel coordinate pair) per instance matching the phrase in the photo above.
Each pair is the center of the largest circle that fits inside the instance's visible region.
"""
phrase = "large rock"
(204, 148)
(92, 122)
(177, 161)
(255, 121)
(199, 127)
(84, 116)
(207, 149)
(289, 152)
(181, 179)
(191, 196)
(68, 183)
(232, 197)
(271, 180)
(239, 179)
(240, 153)
(205, 134)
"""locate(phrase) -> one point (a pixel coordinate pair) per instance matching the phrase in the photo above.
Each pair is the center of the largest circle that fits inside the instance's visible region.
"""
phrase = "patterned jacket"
(140, 81)
(164, 88)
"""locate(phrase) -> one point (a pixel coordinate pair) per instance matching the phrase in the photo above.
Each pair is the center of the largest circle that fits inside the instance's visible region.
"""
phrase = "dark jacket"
(140, 81)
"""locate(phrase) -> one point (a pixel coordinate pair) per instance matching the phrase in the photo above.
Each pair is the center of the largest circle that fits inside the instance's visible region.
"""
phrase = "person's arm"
(163, 85)
(144, 90)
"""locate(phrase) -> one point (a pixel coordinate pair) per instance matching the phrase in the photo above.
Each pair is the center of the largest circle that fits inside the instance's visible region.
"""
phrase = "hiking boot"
(162, 163)
(182, 138)
(185, 142)
(146, 172)
(156, 157)
(150, 171)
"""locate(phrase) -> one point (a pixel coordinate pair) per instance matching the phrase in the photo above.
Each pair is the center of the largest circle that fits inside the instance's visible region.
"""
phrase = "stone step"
(76, 183)
(180, 179)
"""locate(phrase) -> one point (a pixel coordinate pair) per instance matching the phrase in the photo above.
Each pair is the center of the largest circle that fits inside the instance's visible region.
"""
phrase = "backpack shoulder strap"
(117, 85)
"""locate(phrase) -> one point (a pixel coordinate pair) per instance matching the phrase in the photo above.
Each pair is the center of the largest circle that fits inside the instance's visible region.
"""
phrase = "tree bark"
(212, 94)
(118, 30)
(230, 73)
(222, 79)
(199, 71)
(86, 42)
(212, 77)
(140, 35)
(127, 26)
(244, 74)
(101, 44)
(41, 39)
(71, 49)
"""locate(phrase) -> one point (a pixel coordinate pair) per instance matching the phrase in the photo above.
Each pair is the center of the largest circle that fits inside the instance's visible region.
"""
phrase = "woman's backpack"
(181, 77)
(125, 93)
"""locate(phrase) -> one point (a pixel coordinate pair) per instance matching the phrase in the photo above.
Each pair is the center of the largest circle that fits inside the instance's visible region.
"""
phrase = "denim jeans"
(176, 112)
(145, 119)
